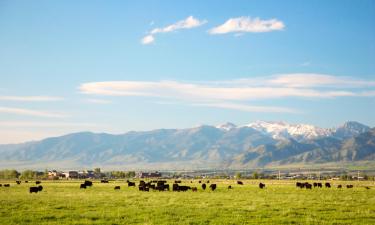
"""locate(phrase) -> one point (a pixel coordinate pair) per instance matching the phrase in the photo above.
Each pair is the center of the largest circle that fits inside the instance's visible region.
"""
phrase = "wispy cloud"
(247, 108)
(188, 23)
(233, 93)
(248, 24)
(30, 98)
(98, 101)
(29, 112)
(45, 124)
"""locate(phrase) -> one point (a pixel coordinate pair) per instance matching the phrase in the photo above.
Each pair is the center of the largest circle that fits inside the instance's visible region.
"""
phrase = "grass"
(280, 203)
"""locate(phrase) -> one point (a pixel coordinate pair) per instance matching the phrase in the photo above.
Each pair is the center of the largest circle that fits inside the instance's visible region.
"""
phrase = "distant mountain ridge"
(258, 144)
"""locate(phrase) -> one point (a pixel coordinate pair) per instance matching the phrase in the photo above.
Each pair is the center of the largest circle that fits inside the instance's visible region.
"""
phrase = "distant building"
(149, 175)
(54, 174)
(71, 174)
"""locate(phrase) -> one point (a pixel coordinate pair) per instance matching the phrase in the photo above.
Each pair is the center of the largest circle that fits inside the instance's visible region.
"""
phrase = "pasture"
(63, 202)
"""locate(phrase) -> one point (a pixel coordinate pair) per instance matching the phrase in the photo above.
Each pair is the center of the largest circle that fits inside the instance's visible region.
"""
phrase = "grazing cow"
(143, 188)
(261, 185)
(194, 189)
(40, 188)
(229, 187)
(88, 183)
(175, 187)
(308, 186)
(315, 185)
(213, 187)
(298, 184)
(368, 188)
(18, 181)
(104, 181)
(1, 185)
(239, 182)
(177, 181)
(327, 185)
(200, 181)
(38, 182)
(34, 189)
(204, 186)
(183, 188)
(349, 186)
(320, 185)
(6, 185)
(130, 184)
(117, 187)
(339, 186)
(82, 186)
(26, 181)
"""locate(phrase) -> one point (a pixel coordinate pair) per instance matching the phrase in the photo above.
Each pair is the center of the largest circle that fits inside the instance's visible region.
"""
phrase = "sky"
(119, 66)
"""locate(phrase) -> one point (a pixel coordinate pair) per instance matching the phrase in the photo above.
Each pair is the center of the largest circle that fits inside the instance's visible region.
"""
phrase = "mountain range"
(257, 144)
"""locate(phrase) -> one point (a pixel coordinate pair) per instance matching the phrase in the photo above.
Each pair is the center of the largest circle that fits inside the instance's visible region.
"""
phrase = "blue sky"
(69, 66)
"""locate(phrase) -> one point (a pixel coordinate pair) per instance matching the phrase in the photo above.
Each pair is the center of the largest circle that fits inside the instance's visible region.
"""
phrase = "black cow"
(18, 181)
(239, 182)
(88, 183)
(34, 189)
(308, 186)
(213, 187)
(143, 188)
(298, 184)
(261, 185)
(117, 187)
(82, 186)
(40, 188)
(320, 185)
(177, 181)
(130, 184)
(229, 187)
(26, 181)
(6, 185)
(194, 189)
(104, 181)
(327, 185)
(315, 185)
(200, 181)
(1, 185)
(208, 182)
(38, 182)
(183, 188)
(204, 186)
(339, 186)
(175, 187)
(367, 188)
(349, 186)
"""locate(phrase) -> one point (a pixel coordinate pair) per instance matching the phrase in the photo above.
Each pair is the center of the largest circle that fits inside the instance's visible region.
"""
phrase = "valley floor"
(279, 203)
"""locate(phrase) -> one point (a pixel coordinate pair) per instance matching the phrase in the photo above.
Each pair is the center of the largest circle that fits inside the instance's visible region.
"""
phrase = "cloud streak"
(29, 112)
(31, 98)
(232, 94)
(248, 25)
(188, 23)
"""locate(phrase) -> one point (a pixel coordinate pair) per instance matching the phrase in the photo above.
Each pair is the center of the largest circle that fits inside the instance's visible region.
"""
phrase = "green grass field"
(280, 203)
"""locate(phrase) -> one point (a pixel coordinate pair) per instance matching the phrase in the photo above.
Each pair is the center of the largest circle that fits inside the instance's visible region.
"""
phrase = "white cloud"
(188, 23)
(233, 93)
(319, 80)
(247, 108)
(247, 24)
(34, 124)
(98, 101)
(29, 112)
(148, 39)
(31, 98)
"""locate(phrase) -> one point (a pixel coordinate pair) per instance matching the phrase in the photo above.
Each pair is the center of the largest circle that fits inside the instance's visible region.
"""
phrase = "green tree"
(255, 175)
(238, 175)
(28, 174)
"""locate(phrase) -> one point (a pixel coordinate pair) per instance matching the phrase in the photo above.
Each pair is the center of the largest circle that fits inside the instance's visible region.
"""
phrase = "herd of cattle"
(162, 185)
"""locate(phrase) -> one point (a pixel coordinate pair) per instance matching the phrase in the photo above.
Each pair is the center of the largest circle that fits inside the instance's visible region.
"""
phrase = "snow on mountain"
(226, 126)
(282, 130)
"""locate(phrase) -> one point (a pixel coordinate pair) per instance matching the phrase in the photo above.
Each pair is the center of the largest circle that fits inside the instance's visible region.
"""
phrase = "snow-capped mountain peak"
(283, 130)
(226, 126)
